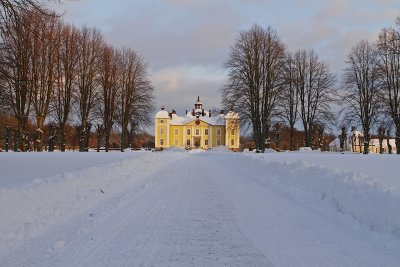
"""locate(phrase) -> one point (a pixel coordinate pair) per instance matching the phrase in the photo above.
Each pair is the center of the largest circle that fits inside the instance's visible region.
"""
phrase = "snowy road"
(191, 209)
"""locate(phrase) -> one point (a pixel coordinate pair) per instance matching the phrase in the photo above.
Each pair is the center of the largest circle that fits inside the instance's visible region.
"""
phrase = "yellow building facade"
(197, 129)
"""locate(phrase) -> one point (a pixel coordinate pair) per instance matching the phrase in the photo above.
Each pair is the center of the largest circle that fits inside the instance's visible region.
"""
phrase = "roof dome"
(162, 114)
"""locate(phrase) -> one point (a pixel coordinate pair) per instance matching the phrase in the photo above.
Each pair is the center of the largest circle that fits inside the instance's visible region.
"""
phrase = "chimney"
(192, 112)
(170, 115)
(186, 112)
(162, 108)
(202, 112)
(173, 111)
(222, 112)
(209, 113)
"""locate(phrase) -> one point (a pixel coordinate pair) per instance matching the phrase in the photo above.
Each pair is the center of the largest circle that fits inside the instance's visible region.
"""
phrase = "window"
(188, 131)
(161, 142)
(206, 142)
(161, 121)
(197, 132)
(218, 142)
(232, 131)
(232, 142)
(161, 130)
(176, 142)
(188, 142)
(218, 131)
(176, 131)
(206, 132)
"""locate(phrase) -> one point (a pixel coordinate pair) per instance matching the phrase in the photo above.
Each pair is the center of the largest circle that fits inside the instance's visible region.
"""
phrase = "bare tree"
(320, 133)
(388, 50)
(16, 72)
(10, 9)
(361, 96)
(100, 133)
(109, 81)
(66, 78)
(136, 98)
(381, 137)
(255, 76)
(289, 97)
(89, 49)
(315, 88)
(343, 138)
(46, 42)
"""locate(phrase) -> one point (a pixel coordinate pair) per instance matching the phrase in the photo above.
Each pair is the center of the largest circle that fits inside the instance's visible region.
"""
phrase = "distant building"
(355, 143)
(197, 129)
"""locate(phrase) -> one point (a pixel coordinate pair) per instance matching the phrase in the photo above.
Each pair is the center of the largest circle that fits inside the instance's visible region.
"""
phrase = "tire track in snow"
(42, 249)
(179, 219)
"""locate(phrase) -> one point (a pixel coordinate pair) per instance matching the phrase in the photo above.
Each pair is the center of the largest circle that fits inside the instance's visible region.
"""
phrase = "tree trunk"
(20, 135)
(52, 136)
(81, 137)
(306, 135)
(39, 130)
(398, 139)
(388, 143)
(107, 140)
(16, 142)
(259, 136)
(130, 141)
(98, 143)
(62, 137)
(122, 140)
(291, 137)
(7, 144)
(88, 128)
(366, 142)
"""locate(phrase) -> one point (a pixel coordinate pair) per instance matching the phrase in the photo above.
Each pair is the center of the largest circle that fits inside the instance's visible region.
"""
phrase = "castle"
(197, 129)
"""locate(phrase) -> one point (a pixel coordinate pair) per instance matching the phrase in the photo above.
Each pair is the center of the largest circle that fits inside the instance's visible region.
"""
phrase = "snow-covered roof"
(232, 115)
(162, 114)
(213, 120)
(197, 113)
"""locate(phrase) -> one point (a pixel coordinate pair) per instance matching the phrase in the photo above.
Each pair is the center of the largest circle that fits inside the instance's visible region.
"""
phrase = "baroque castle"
(197, 129)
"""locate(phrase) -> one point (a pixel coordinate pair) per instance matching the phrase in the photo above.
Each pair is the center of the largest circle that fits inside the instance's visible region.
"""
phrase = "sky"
(186, 42)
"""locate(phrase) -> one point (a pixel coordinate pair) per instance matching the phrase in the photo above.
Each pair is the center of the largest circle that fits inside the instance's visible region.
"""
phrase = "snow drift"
(368, 201)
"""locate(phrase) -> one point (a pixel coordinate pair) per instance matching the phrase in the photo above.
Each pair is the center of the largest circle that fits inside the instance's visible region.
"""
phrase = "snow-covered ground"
(199, 209)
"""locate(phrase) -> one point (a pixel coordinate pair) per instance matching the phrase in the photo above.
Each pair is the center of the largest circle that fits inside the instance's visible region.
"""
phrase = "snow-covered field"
(199, 209)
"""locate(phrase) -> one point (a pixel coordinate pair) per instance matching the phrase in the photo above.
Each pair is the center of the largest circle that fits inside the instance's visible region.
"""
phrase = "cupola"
(198, 104)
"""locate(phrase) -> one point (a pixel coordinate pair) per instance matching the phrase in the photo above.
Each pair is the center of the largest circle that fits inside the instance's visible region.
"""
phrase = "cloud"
(336, 9)
(185, 42)
(188, 82)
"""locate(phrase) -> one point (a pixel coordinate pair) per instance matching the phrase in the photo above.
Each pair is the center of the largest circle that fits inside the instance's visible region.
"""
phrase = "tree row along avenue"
(57, 73)
(61, 84)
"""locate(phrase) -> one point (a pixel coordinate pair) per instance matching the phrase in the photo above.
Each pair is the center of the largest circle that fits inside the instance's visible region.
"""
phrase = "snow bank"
(40, 165)
(175, 149)
(219, 149)
(368, 201)
(305, 149)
